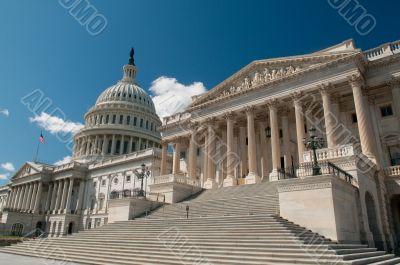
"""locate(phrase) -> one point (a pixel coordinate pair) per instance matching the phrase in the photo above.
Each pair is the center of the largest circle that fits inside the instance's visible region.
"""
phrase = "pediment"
(27, 169)
(263, 73)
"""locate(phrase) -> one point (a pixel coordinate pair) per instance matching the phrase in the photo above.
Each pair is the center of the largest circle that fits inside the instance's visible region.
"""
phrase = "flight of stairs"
(220, 230)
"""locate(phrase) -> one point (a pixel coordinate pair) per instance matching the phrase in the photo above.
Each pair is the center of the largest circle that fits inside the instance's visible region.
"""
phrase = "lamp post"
(141, 175)
(313, 144)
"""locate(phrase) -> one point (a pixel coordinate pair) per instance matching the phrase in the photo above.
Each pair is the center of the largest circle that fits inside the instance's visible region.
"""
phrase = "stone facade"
(120, 134)
(252, 126)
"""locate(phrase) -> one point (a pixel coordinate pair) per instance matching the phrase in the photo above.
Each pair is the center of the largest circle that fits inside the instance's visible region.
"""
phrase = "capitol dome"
(122, 121)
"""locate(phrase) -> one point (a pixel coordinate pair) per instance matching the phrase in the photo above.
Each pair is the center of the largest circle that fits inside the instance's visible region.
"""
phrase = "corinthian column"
(252, 177)
(209, 156)
(356, 82)
(164, 153)
(298, 108)
(192, 155)
(286, 136)
(69, 195)
(177, 157)
(330, 120)
(275, 145)
(230, 179)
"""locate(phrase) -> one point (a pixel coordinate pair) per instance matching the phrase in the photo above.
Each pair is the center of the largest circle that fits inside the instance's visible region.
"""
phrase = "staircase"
(221, 229)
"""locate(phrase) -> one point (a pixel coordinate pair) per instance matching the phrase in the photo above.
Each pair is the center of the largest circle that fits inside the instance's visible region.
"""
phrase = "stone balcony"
(393, 171)
(331, 153)
(176, 178)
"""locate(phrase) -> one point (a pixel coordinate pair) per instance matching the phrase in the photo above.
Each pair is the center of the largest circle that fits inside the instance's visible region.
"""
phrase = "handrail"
(306, 170)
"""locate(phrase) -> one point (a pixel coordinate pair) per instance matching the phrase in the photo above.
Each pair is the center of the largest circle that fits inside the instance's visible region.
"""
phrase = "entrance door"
(70, 228)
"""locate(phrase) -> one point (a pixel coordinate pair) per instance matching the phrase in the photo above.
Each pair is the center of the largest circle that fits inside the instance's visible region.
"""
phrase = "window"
(118, 146)
(114, 118)
(125, 149)
(354, 118)
(94, 184)
(109, 147)
(134, 121)
(280, 133)
(141, 123)
(103, 182)
(95, 120)
(17, 229)
(133, 146)
(121, 119)
(198, 151)
(107, 118)
(115, 181)
(128, 178)
(386, 111)
(147, 125)
(128, 120)
(101, 119)
(151, 127)
(247, 141)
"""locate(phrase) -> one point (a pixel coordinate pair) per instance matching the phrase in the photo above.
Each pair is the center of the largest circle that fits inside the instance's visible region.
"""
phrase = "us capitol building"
(120, 134)
(324, 128)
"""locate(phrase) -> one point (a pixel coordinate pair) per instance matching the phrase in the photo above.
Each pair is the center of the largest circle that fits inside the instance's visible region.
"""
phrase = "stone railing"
(330, 153)
(384, 50)
(393, 171)
(176, 178)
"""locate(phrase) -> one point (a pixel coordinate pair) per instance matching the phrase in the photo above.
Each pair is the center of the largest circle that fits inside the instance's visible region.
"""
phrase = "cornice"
(201, 102)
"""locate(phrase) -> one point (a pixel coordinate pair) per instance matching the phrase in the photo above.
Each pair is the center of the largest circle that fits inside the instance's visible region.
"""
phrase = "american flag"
(41, 139)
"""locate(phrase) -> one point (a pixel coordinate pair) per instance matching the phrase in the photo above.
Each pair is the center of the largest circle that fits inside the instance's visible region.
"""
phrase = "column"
(57, 196)
(130, 144)
(275, 145)
(264, 150)
(356, 83)
(122, 144)
(286, 137)
(38, 197)
(10, 198)
(209, 156)
(95, 147)
(243, 152)
(205, 160)
(22, 197)
(82, 147)
(329, 117)
(163, 170)
(300, 134)
(192, 155)
(16, 200)
(251, 147)
(68, 202)
(230, 179)
(113, 145)
(88, 146)
(48, 199)
(177, 157)
(64, 195)
(54, 196)
(395, 86)
(80, 196)
(33, 197)
(104, 146)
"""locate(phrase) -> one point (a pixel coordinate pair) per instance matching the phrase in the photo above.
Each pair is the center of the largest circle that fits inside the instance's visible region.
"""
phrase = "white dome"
(126, 92)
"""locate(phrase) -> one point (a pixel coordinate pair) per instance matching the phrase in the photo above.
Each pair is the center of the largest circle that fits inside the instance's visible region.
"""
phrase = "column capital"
(394, 83)
(325, 88)
(356, 79)
(229, 115)
(296, 96)
(249, 109)
(272, 103)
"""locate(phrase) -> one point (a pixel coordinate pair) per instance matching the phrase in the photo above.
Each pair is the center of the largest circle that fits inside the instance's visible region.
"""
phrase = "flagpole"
(37, 149)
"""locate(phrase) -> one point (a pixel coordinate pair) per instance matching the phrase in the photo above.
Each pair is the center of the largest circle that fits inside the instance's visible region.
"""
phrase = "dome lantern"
(130, 69)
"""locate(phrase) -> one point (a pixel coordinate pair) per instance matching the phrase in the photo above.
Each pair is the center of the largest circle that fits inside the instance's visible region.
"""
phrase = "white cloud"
(63, 161)
(55, 124)
(5, 112)
(171, 97)
(8, 166)
(4, 176)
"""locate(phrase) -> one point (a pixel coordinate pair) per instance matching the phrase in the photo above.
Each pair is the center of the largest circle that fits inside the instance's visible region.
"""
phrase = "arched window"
(128, 120)
(147, 125)
(17, 229)
(141, 123)
(134, 121)
(107, 119)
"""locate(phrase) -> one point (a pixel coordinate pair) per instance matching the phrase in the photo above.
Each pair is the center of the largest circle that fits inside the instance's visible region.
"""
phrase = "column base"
(210, 184)
(273, 176)
(230, 181)
(252, 178)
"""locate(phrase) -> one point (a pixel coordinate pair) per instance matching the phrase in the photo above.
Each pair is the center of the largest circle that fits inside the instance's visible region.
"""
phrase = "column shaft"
(163, 170)
(192, 156)
(80, 196)
(330, 119)
(230, 153)
(38, 197)
(298, 108)
(64, 195)
(48, 199)
(177, 157)
(275, 145)
(251, 147)
(211, 153)
(69, 195)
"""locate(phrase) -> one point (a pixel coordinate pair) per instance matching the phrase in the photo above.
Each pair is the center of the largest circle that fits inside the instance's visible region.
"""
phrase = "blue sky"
(43, 47)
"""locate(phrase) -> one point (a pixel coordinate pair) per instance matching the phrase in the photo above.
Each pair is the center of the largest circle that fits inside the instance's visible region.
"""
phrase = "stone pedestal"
(128, 208)
(324, 204)
(252, 179)
(210, 184)
(273, 176)
(230, 181)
